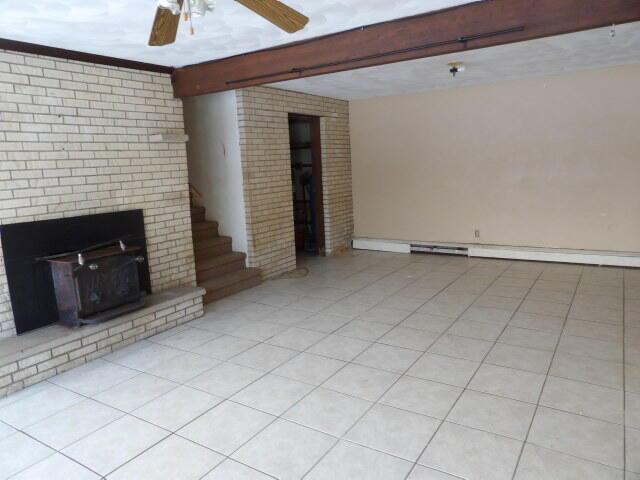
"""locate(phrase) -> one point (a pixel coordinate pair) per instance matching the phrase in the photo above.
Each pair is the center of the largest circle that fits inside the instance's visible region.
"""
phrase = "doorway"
(306, 182)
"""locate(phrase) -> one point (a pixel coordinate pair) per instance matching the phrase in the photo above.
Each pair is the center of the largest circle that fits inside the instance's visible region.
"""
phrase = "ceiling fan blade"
(277, 13)
(165, 27)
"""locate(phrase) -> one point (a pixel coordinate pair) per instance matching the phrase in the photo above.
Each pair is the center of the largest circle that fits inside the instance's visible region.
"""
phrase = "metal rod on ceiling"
(463, 39)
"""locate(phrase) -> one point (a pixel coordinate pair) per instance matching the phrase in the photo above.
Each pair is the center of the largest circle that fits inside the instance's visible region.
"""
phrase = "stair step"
(204, 230)
(211, 247)
(212, 267)
(197, 214)
(231, 283)
(219, 270)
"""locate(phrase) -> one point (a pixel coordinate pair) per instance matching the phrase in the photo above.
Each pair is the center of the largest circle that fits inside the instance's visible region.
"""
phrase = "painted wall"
(546, 162)
(211, 121)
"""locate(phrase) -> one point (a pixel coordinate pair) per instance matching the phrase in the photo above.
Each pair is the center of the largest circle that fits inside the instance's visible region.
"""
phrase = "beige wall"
(545, 162)
(263, 118)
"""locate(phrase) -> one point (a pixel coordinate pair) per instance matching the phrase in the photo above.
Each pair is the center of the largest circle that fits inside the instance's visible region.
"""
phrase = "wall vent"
(439, 249)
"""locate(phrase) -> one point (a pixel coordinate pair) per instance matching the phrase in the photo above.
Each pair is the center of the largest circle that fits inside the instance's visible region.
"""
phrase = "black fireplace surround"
(28, 249)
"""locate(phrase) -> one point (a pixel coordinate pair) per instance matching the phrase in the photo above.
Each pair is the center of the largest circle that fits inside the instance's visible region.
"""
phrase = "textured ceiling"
(578, 51)
(120, 28)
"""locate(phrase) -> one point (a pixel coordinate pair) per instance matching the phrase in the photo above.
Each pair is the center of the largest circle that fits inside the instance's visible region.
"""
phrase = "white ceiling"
(578, 51)
(120, 28)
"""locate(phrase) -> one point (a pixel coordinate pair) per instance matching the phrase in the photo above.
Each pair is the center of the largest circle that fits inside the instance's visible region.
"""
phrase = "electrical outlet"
(477, 233)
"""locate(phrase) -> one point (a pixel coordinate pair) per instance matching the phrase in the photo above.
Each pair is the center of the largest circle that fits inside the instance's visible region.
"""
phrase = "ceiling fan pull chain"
(191, 29)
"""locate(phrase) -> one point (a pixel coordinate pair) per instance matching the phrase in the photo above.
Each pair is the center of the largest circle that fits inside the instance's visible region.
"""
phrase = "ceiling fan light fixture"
(172, 5)
(167, 19)
(196, 8)
(200, 7)
(455, 67)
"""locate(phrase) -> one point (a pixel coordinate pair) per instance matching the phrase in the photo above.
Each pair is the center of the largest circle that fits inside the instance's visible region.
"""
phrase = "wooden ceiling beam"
(471, 26)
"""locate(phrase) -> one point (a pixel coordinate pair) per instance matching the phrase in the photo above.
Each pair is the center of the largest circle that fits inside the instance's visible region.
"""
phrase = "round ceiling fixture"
(455, 67)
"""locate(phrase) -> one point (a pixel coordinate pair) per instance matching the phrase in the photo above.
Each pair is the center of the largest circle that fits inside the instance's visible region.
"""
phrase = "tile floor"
(373, 366)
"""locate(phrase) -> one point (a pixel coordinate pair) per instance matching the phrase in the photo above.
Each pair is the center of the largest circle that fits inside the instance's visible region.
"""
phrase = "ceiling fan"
(165, 24)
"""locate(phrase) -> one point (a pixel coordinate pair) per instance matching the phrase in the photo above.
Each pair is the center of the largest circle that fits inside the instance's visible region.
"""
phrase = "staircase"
(219, 270)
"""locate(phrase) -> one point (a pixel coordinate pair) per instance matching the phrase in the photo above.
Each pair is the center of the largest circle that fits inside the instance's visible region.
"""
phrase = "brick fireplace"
(79, 139)
(75, 139)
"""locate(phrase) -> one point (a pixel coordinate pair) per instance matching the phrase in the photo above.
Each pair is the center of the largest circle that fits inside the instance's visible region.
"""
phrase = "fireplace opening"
(75, 270)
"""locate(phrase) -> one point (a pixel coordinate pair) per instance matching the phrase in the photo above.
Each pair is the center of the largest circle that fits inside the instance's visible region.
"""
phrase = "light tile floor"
(373, 366)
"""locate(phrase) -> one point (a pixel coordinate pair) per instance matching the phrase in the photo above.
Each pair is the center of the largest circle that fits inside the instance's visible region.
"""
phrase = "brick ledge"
(43, 353)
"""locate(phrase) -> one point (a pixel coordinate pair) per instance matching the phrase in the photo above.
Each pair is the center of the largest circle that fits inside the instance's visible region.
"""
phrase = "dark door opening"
(306, 179)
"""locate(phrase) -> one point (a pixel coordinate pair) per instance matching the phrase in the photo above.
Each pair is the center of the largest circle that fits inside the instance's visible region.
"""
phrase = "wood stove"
(95, 285)
(105, 277)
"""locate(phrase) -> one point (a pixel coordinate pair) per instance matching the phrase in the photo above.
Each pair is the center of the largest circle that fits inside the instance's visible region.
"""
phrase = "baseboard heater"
(415, 248)
(585, 257)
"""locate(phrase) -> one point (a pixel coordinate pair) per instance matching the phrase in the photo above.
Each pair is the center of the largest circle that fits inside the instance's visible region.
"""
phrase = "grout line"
(624, 378)
(13, 475)
(375, 402)
(277, 417)
(170, 432)
(424, 274)
(480, 363)
(544, 383)
(460, 274)
(125, 413)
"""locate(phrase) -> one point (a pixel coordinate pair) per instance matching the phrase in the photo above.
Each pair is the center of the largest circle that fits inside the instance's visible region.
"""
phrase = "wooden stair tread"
(230, 278)
(212, 296)
(197, 214)
(203, 226)
(200, 244)
(204, 230)
(212, 262)
(220, 271)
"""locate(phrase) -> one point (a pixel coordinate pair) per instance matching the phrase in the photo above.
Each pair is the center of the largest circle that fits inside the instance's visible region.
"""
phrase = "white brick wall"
(74, 141)
(263, 116)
